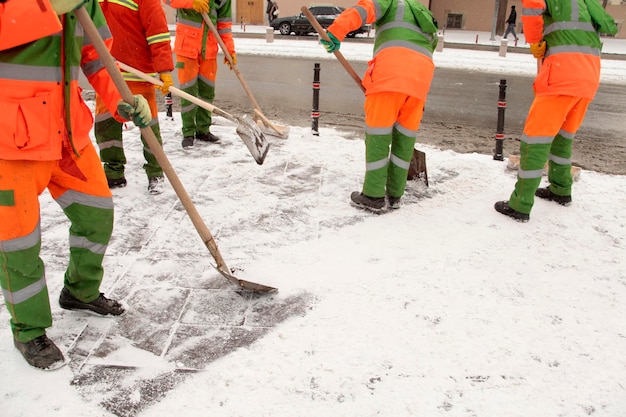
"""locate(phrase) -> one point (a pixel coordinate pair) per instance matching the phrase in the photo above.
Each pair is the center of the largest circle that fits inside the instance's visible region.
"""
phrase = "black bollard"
(168, 105)
(315, 112)
(500, 127)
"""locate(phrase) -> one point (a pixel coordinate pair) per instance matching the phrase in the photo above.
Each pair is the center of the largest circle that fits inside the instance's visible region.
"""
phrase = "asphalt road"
(284, 85)
(461, 111)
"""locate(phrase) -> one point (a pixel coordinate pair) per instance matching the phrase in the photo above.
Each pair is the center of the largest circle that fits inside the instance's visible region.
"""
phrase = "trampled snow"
(441, 308)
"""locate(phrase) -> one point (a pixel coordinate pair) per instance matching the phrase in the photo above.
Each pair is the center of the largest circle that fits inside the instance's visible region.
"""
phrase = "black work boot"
(41, 353)
(546, 194)
(187, 142)
(116, 183)
(207, 137)
(101, 305)
(504, 208)
(373, 204)
(393, 202)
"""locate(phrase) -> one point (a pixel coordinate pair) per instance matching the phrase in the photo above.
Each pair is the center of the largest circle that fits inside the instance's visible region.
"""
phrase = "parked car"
(300, 25)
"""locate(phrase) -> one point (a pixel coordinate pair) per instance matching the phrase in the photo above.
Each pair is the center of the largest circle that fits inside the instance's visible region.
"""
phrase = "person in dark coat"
(511, 23)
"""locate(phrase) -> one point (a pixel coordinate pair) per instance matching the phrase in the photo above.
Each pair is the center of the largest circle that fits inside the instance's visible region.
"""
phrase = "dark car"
(300, 25)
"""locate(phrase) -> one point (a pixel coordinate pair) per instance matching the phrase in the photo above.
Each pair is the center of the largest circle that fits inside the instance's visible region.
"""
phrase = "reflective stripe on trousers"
(79, 186)
(196, 77)
(392, 120)
(548, 133)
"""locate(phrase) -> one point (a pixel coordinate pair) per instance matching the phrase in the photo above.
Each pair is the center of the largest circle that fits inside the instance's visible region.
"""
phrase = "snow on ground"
(442, 308)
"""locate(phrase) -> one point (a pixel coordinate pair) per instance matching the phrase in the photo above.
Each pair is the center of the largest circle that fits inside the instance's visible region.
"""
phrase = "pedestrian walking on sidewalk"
(196, 61)
(45, 144)
(567, 42)
(396, 84)
(141, 40)
(510, 28)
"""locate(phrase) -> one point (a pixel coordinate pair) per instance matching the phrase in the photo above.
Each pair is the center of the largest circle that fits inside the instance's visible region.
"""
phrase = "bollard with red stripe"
(315, 112)
(498, 151)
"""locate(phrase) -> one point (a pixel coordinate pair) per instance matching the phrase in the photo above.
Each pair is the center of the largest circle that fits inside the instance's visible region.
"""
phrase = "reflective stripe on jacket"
(193, 36)
(406, 36)
(572, 62)
(39, 88)
(141, 37)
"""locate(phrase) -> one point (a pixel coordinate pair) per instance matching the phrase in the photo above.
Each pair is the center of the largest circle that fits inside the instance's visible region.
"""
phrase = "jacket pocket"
(26, 123)
(187, 42)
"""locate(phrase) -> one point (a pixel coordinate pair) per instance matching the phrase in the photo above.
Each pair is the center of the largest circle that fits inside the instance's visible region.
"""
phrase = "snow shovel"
(277, 130)
(92, 33)
(249, 132)
(418, 161)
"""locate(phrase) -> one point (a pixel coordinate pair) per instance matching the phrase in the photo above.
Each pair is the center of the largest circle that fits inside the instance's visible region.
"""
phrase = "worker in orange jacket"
(45, 144)
(564, 36)
(141, 39)
(397, 82)
(196, 60)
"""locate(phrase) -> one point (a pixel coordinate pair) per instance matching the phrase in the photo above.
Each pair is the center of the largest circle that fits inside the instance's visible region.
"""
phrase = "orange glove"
(538, 49)
(201, 5)
(166, 79)
(234, 59)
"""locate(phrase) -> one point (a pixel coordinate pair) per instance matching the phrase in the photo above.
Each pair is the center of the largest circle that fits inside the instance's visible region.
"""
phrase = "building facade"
(475, 15)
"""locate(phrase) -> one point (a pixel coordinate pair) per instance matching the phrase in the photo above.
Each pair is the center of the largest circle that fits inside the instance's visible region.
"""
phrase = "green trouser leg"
(196, 119)
(376, 164)
(24, 286)
(90, 232)
(560, 166)
(108, 133)
(204, 117)
(533, 158)
(188, 110)
(152, 167)
(401, 154)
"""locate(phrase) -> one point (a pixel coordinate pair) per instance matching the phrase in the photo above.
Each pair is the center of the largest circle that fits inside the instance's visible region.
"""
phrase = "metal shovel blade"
(243, 284)
(251, 135)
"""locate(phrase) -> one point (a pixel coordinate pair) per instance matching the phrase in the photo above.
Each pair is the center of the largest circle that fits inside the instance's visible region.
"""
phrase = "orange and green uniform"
(196, 58)
(141, 39)
(565, 85)
(42, 148)
(397, 82)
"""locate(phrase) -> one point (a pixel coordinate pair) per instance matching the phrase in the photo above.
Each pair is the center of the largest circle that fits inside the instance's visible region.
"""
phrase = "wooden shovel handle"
(95, 38)
(320, 30)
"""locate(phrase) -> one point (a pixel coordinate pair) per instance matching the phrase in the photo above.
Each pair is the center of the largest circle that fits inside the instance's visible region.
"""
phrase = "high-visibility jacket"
(406, 36)
(141, 37)
(572, 62)
(193, 36)
(41, 107)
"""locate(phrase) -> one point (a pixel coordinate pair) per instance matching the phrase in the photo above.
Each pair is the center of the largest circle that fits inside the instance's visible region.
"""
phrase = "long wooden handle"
(177, 92)
(229, 57)
(233, 66)
(320, 30)
(95, 38)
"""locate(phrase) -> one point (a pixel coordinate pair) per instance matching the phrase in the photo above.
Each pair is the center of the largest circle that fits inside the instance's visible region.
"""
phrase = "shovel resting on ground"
(278, 130)
(95, 38)
(417, 169)
(249, 132)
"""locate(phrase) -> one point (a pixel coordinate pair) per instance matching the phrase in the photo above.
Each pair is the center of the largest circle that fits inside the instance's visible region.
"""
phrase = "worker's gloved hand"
(66, 6)
(333, 45)
(538, 49)
(200, 5)
(166, 79)
(234, 59)
(139, 113)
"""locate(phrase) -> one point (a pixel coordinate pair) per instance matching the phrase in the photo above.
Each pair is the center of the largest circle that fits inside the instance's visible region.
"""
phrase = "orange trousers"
(392, 120)
(549, 131)
(79, 186)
